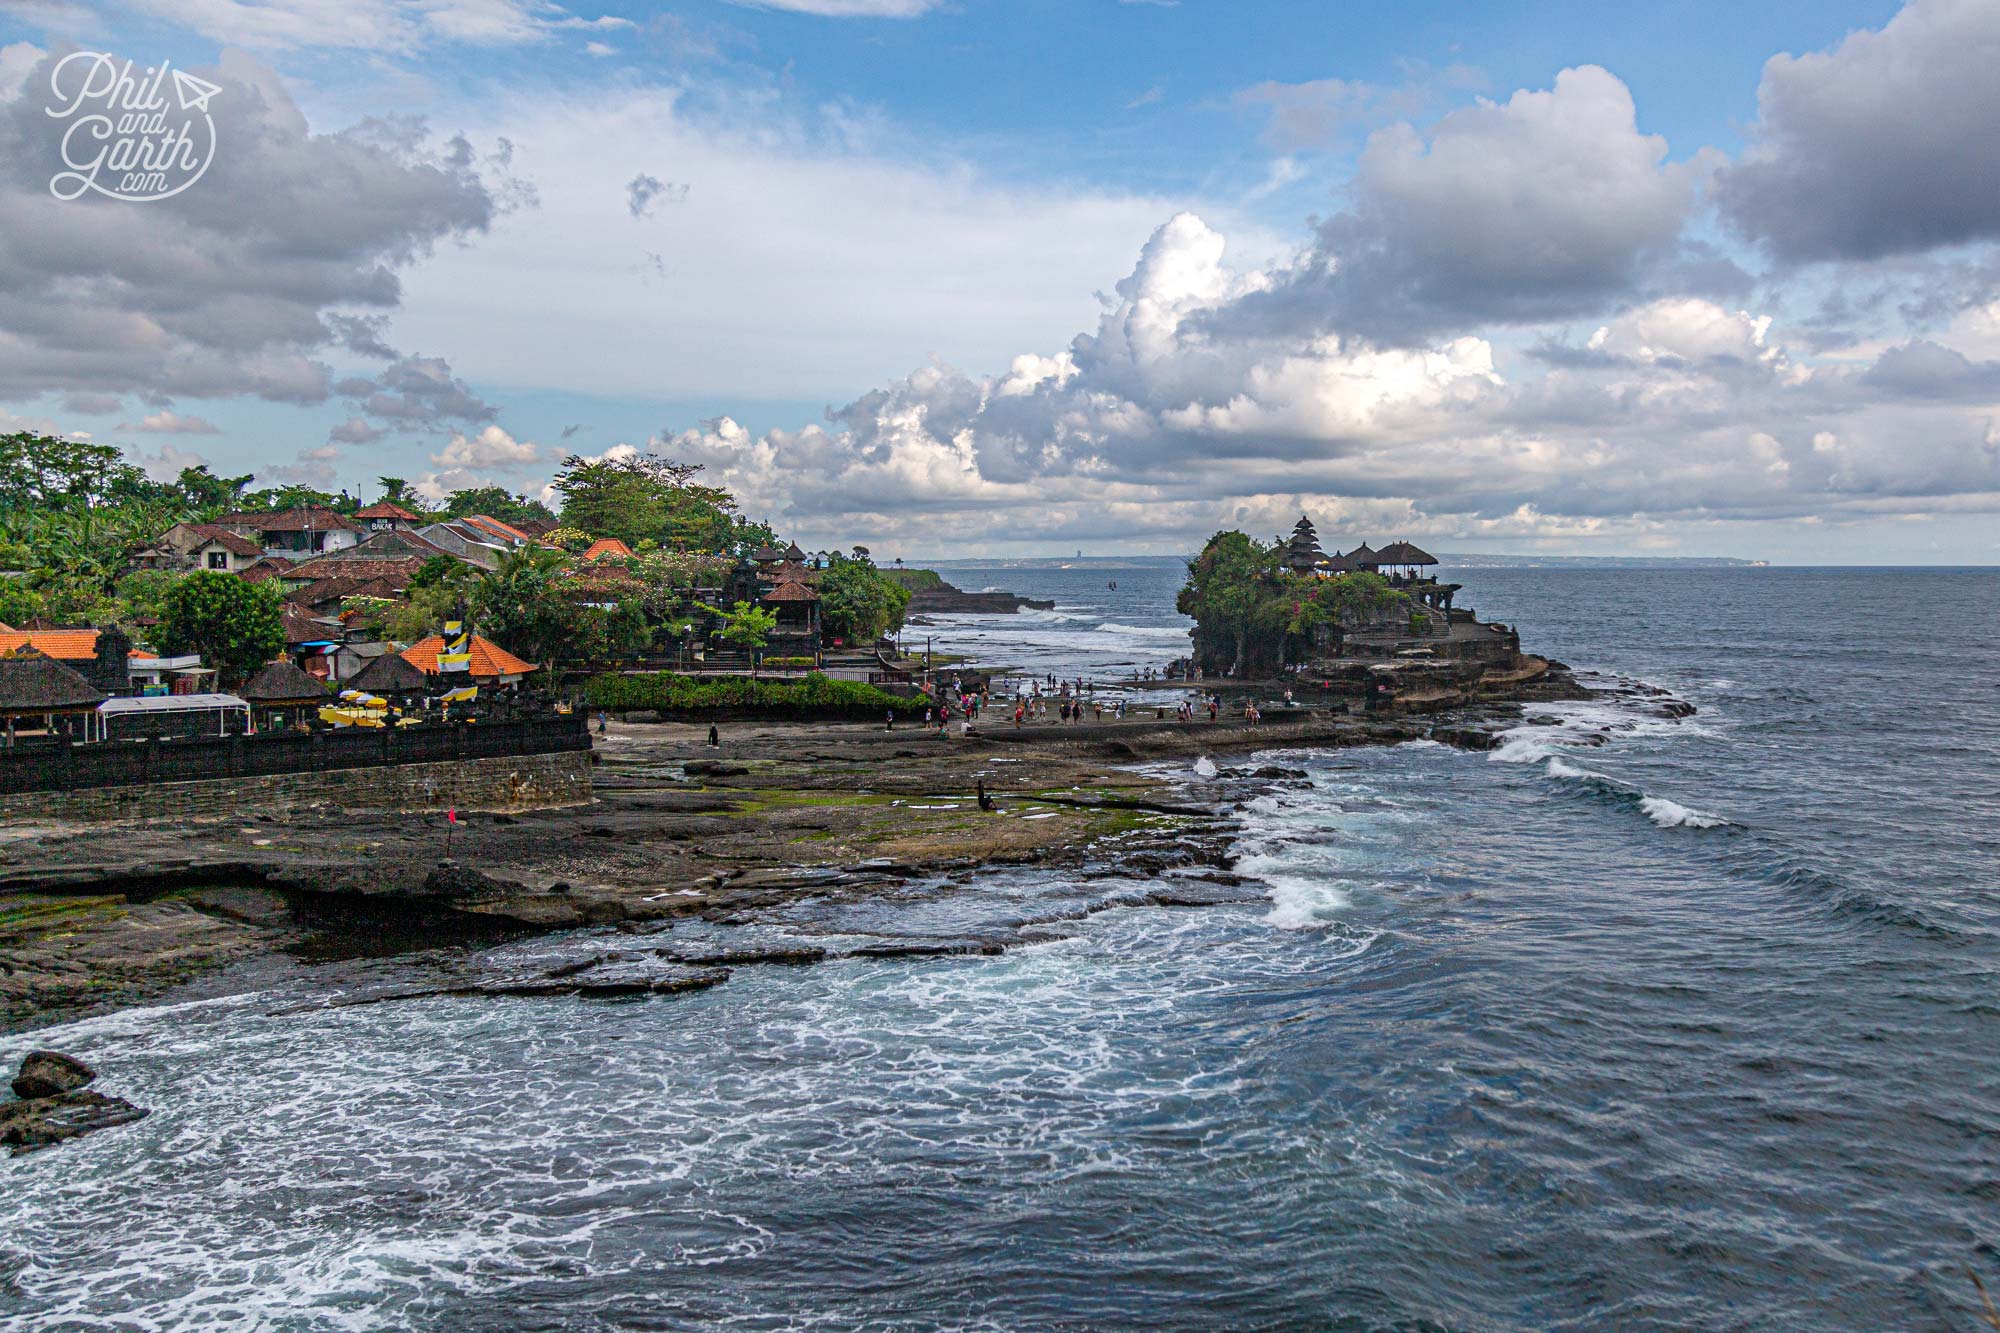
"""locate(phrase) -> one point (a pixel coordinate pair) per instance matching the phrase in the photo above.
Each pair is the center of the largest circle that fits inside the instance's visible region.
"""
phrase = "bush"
(815, 696)
(788, 663)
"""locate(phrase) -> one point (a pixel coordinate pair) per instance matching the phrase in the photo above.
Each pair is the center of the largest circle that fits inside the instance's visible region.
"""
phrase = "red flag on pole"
(451, 816)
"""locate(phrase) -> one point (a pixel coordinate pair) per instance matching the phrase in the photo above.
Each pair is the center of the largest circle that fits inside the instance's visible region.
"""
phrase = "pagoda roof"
(32, 682)
(489, 659)
(791, 591)
(282, 683)
(1402, 553)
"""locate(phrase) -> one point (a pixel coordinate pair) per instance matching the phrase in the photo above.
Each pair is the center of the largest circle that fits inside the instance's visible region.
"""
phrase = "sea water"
(1633, 1022)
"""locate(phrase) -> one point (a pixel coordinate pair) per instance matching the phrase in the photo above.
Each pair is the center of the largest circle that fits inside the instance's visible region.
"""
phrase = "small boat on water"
(1114, 585)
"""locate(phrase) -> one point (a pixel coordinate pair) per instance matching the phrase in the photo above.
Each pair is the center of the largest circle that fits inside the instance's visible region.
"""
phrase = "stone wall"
(519, 782)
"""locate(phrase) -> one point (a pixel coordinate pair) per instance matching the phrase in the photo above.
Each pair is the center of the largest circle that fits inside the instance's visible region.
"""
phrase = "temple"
(1400, 562)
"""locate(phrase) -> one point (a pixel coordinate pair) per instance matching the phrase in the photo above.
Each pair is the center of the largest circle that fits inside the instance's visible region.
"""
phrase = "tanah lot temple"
(1399, 562)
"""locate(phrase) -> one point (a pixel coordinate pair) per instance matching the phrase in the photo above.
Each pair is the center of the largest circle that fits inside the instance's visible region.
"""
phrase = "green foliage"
(234, 626)
(814, 696)
(648, 498)
(788, 663)
(143, 593)
(859, 602)
(1247, 607)
(495, 502)
(914, 580)
(535, 607)
(746, 625)
(441, 571)
(18, 602)
(573, 540)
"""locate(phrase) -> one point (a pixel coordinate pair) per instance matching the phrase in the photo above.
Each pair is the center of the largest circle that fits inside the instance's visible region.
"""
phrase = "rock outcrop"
(55, 1103)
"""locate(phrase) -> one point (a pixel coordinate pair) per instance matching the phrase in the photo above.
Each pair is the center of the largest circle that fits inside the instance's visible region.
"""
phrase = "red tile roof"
(69, 645)
(791, 592)
(605, 546)
(489, 659)
(398, 569)
(383, 509)
(234, 543)
(291, 520)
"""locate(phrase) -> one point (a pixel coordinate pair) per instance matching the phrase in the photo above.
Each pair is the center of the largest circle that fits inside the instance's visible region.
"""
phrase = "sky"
(1011, 277)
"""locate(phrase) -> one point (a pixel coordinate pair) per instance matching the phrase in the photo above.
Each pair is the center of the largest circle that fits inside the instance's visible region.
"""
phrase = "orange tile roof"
(488, 658)
(791, 592)
(604, 546)
(495, 528)
(71, 645)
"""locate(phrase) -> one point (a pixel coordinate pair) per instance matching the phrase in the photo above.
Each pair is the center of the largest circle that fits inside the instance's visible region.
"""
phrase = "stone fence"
(69, 768)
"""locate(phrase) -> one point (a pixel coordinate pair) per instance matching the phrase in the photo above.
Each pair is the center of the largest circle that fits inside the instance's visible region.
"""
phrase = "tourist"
(891, 725)
(714, 738)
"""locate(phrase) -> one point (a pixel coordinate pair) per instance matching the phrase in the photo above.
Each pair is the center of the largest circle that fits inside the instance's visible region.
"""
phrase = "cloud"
(1158, 427)
(1549, 205)
(849, 9)
(165, 422)
(1881, 146)
(418, 391)
(167, 462)
(226, 289)
(490, 448)
(314, 467)
(642, 190)
(373, 25)
(1323, 113)
(356, 430)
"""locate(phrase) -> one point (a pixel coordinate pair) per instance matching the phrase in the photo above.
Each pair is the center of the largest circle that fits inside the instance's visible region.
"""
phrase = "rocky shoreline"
(92, 921)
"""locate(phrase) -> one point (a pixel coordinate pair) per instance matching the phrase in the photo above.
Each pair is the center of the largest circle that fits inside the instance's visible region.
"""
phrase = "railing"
(45, 768)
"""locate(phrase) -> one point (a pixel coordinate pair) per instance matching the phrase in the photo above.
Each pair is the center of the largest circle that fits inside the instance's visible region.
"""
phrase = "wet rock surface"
(56, 1105)
(788, 813)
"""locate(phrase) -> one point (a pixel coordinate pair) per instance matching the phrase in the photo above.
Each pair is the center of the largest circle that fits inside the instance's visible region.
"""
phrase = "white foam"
(1205, 767)
(1672, 814)
(1307, 904)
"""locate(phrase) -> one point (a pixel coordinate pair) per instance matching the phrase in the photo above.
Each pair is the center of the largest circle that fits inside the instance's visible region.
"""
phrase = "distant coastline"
(1459, 560)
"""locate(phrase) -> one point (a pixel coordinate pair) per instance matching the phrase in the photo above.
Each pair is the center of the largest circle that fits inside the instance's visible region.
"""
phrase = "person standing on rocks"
(714, 738)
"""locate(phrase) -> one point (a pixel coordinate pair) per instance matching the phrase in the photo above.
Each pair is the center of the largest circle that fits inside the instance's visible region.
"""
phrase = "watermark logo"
(127, 138)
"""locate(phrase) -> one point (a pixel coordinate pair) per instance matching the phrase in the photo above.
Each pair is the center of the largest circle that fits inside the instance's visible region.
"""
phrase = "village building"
(306, 531)
(388, 674)
(281, 695)
(385, 517)
(160, 717)
(186, 547)
(46, 698)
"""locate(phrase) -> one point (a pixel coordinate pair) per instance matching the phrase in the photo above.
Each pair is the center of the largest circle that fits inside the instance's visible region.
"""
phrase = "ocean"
(1634, 1022)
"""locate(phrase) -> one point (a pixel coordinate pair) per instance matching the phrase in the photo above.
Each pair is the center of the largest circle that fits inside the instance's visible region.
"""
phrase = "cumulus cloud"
(1881, 146)
(490, 448)
(165, 422)
(1547, 205)
(226, 289)
(1155, 426)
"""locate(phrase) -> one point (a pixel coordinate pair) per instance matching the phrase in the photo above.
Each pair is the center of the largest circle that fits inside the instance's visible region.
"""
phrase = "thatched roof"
(1338, 564)
(391, 673)
(791, 592)
(283, 683)
(33, 683)
(1402, 553)
(1364, 556)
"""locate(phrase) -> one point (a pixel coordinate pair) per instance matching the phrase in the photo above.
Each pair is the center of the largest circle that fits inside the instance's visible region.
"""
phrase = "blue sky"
(1023, 276)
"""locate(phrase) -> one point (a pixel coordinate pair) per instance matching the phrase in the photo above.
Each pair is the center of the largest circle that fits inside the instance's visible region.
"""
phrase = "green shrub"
(815, 696)
(788, 663)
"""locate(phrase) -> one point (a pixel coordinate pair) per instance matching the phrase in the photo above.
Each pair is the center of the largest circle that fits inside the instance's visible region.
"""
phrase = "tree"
(142, 594)
(396, 491)
(858, 602)
(517, 606)
(495, 502)
(1226, 583)
(209, 494)
(747, 625)
(644, 497)
(18, 602)
(234, 626)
